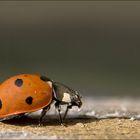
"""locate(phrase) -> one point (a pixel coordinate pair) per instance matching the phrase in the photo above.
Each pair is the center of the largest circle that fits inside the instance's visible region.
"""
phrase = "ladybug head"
(66, 95)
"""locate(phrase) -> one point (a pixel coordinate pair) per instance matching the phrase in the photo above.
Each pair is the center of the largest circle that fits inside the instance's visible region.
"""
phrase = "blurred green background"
(93, 47)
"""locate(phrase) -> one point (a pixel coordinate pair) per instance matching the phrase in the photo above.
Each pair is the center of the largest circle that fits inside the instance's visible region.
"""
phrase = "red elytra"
(24, 93)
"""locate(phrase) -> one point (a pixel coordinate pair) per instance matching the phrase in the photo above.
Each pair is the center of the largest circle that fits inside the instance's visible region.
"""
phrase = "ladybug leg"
(66, 112)
(43, 113)
(58, 107)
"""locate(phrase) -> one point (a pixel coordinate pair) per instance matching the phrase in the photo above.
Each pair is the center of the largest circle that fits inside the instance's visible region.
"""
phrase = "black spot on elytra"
(19, 82)
(44, 78)
(29, 100)
(0, 104)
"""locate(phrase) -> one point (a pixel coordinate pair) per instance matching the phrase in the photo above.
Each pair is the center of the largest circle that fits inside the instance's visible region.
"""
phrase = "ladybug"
(26, 93)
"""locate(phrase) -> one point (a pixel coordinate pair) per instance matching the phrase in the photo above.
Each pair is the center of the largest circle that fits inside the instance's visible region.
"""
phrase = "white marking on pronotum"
(66, 98)
(50, 83)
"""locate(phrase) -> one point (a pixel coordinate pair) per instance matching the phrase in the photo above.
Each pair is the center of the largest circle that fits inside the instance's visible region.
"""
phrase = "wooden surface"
(102, 118)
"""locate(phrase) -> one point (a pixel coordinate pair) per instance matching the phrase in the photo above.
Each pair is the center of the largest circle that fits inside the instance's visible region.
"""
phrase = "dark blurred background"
(93, 47)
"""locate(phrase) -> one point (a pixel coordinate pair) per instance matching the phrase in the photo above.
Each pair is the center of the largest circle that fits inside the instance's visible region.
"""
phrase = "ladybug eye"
(73, 98)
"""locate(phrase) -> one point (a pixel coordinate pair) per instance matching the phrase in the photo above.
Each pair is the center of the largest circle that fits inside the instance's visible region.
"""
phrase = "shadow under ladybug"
(48, 121)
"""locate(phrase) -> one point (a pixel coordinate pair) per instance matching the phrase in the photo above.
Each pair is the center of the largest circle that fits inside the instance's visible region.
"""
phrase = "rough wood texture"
(98, 119)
